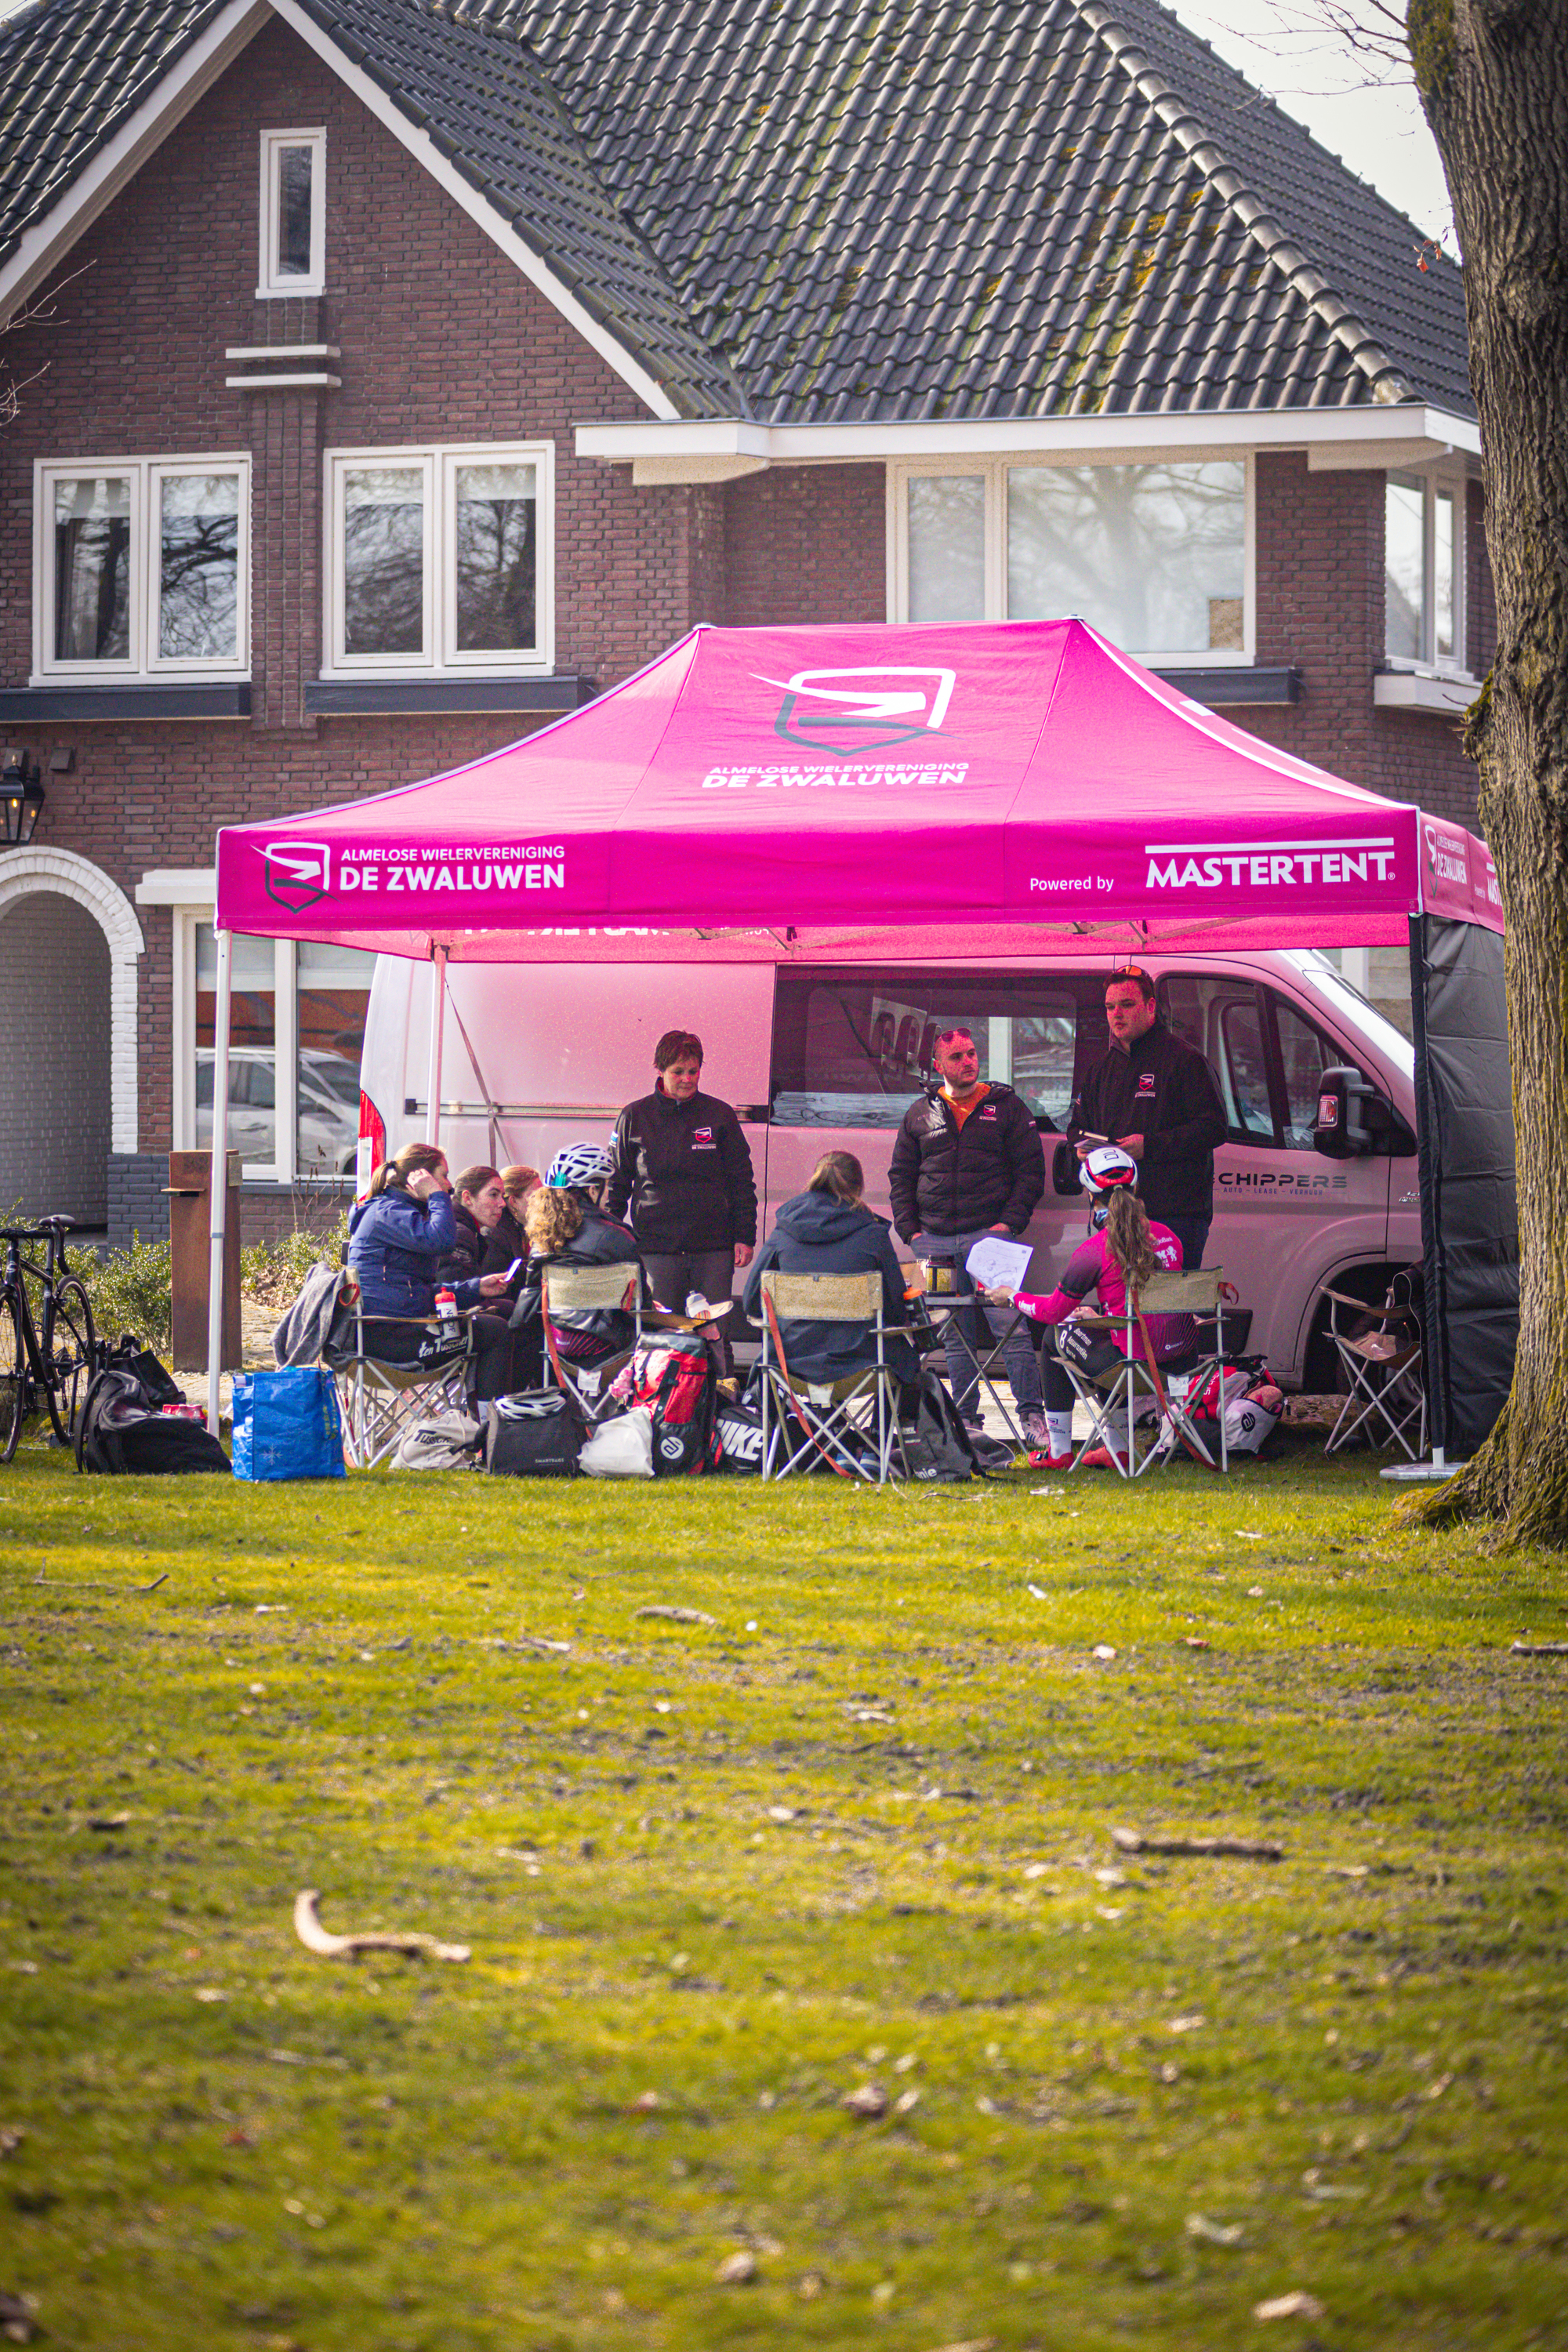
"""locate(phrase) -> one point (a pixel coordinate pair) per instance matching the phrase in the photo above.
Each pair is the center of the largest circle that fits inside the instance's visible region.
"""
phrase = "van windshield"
(853, 1047)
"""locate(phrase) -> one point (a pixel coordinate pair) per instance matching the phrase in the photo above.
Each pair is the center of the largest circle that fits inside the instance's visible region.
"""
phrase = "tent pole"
(218, 1185)
(438, 1027)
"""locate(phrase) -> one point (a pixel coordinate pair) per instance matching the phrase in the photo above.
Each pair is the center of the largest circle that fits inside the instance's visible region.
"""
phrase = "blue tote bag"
(287, 1425)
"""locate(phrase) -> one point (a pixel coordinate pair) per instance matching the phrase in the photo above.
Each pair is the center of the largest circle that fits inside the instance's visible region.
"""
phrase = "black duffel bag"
(535, 1434)
(122, 1432)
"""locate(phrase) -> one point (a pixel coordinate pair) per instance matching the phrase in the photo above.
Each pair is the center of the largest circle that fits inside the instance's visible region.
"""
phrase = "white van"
(817, 1055)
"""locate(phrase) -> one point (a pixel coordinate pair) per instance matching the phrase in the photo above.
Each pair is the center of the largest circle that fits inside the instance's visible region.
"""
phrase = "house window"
(293, 213)
(296, 1030)
(1423, 571)
(142, 567)
(439, 559)
(1157, 557)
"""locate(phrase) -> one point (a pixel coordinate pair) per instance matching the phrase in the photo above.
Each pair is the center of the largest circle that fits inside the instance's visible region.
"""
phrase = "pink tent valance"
(773, 792)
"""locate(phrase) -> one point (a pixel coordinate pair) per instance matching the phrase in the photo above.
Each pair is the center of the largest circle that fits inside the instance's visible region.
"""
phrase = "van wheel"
(1322, 1374)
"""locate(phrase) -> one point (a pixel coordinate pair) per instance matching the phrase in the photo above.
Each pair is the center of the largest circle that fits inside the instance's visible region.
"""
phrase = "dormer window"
(293, 213)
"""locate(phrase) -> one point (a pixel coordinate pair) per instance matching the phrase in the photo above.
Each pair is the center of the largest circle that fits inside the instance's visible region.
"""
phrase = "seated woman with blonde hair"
(828, 1229)
(566, 1218)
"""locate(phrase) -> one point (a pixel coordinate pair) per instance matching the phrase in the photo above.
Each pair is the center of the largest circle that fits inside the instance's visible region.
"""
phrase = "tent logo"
(298, 874)
(822, 708)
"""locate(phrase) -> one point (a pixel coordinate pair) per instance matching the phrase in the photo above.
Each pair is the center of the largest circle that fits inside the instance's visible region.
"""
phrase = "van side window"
(1222, 1019)
(1304, 1054)
(1244, 1071)
(853, 1047)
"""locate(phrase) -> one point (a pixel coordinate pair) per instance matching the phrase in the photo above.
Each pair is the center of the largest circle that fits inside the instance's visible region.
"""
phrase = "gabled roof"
(816, 210)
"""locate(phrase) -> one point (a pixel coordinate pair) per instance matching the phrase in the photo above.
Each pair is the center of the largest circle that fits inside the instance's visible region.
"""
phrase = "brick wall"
(1320, 606)
(54, 1050)
(808, 543)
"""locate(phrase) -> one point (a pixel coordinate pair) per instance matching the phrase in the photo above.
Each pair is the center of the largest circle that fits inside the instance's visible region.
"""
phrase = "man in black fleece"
(968, 1162)
(684, 1169)
(1157, 1098)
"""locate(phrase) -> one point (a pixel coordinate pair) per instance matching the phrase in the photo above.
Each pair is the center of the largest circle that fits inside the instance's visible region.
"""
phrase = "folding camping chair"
(379, 1399)
(566, 1288)
(851, 1423)
(1203, 1294)
(1383, 1369)
(1131, 1392)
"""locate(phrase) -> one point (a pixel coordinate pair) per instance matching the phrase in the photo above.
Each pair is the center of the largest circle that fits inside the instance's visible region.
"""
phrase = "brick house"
(417, 370)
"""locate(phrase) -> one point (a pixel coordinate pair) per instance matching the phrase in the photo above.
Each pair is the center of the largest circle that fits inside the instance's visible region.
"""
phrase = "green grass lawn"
(716, 1877)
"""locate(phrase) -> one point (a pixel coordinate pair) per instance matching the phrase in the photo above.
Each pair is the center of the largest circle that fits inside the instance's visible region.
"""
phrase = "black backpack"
(121, 1432)
(535, 1434)
(936, 1443)
(129, 1355)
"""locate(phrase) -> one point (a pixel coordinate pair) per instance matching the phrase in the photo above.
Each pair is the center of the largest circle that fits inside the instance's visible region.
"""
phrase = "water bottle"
(446, 1311)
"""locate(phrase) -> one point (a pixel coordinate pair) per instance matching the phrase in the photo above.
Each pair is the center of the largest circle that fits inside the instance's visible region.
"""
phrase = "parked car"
(327, 1090)
(823, 1054)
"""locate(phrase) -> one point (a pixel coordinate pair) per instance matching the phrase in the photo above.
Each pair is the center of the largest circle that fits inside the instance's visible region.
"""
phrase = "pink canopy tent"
(1015, 773)
(776, 793)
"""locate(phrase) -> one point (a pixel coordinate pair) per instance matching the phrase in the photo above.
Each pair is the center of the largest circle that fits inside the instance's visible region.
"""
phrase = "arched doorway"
(68, 944)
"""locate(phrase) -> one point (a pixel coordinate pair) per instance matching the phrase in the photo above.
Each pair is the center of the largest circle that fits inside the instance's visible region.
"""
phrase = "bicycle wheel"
(12, 1371)
(72, 1355)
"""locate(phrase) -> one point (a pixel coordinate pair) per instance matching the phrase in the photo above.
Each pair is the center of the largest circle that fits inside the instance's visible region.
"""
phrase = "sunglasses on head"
(954, 1037)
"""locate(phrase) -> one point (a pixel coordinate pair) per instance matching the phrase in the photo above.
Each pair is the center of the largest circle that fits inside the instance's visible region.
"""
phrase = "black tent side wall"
(1469, 1214)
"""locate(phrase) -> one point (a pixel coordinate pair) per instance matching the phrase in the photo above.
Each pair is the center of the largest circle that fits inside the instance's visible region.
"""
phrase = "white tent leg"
(437, 1028)
(219, 1175)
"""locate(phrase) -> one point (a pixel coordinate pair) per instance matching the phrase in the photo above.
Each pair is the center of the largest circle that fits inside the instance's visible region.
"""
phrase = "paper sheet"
(997, 1263)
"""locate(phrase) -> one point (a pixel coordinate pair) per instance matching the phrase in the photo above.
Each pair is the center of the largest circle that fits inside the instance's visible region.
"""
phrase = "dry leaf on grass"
(108, 1821)
(870, 2100)
(1244, 1849)
(327, 1946)
(1538, 1649)
(677, 1616)
(1214, 2233)
(1297, 2305)
(737, 2269)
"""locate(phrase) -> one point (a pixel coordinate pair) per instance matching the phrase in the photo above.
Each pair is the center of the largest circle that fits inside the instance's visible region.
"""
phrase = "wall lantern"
(21, 798)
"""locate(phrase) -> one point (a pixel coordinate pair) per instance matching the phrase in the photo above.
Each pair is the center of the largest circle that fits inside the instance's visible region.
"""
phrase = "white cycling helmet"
(1108, 1170)
(580, 1167)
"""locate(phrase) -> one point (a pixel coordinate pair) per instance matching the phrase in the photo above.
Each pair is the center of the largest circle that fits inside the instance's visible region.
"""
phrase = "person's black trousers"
(1192, 1233)
(491, 1374)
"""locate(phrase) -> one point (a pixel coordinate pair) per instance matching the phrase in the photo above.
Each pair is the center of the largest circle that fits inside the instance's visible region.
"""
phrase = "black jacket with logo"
(685, 1172)
(1164, 1091)
(945, 1178)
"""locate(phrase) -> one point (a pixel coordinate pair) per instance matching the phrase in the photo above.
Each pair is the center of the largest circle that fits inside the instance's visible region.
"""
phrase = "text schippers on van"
(830, 1054)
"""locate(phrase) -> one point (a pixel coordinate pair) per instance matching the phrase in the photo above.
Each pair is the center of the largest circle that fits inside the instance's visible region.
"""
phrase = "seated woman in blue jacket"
(397, 1238)
(828, 1229)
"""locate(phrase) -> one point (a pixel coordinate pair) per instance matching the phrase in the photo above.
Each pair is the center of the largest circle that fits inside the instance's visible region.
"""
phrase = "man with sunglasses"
(1156, 1097)
(969, 1162)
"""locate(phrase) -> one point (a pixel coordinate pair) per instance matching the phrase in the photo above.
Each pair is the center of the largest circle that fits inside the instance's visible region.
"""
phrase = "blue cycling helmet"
(579, 1166)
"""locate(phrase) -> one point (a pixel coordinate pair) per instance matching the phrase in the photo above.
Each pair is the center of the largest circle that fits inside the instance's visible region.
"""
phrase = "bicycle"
(52, 1364)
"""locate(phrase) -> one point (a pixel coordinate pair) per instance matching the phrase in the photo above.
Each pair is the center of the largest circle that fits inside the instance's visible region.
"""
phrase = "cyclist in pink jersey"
(1123, 1245)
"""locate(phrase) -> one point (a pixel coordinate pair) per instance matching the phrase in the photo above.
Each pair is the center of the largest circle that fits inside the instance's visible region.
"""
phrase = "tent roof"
(1023, 774)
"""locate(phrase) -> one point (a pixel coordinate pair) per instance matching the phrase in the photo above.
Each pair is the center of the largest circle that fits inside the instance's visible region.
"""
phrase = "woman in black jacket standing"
(684, 1169)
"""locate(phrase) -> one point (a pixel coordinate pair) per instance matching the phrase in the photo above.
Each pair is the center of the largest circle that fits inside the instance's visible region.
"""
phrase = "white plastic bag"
(621, 1448)
(445, 1443)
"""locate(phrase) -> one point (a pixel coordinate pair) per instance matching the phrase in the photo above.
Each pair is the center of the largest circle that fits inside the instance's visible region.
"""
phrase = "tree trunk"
(1493, 81)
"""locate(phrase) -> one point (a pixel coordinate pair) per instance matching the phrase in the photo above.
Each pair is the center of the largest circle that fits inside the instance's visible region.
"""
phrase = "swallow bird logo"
(298, 874)
(851, 710)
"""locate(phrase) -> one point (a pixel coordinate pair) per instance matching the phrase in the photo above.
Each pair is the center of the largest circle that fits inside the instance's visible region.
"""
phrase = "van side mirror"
(1353, 1119)
(1064, 1170)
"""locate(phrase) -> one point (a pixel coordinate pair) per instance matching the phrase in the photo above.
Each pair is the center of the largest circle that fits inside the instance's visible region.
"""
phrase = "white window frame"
(1429, 483)
(439, 462)
(994, 471)
(283, 1169)
(271, 284)
(146, 476)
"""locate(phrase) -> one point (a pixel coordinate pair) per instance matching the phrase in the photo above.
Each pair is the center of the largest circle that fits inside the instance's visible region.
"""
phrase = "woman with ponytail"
(1124, 1251)
(398, 1236)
